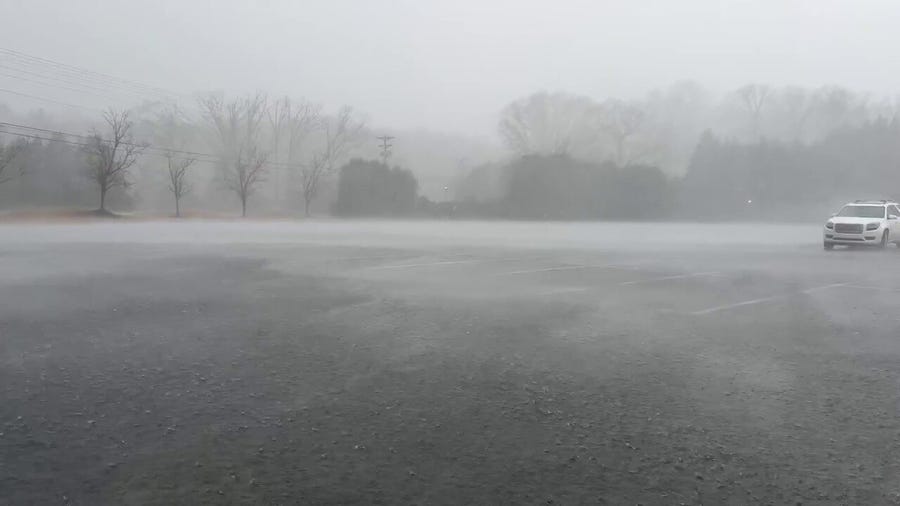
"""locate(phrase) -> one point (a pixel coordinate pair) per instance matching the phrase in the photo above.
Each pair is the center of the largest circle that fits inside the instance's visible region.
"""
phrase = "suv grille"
(848, 228)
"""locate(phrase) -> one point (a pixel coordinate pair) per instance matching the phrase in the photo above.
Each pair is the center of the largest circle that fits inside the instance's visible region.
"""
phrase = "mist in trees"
(560, 187)
(663, 128)
(558, 156)
(727, 179)
(291, 123)
(338, 135)
(236, 130)
(8, 168)
(172, 129)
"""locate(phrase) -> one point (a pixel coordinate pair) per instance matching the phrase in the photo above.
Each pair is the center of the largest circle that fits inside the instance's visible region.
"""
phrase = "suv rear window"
(862, 212)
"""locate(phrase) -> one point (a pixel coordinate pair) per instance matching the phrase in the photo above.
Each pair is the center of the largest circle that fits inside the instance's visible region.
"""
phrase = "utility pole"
(385, 147)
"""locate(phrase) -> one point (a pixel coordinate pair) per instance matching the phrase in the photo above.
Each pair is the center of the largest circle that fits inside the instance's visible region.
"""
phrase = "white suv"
(869, 222)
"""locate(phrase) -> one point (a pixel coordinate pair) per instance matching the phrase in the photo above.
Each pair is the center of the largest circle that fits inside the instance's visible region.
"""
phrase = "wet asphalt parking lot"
(445, 363)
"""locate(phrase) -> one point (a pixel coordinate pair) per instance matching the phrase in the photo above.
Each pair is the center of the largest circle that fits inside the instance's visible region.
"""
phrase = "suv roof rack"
(882, 201)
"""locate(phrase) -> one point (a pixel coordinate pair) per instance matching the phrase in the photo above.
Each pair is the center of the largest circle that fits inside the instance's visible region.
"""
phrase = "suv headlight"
(829, 225)
(873, 226)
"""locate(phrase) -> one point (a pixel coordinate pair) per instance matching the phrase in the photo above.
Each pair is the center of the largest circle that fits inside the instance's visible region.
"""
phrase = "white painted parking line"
(428, 264)
(564, 290)
(566, 268)
(667, 278)
(348, 259)
(762, 299)
(739, 304)
(872, 287)
(825, 287)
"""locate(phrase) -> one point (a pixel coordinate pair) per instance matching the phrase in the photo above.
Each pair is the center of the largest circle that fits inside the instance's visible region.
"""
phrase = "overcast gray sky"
(451, 65)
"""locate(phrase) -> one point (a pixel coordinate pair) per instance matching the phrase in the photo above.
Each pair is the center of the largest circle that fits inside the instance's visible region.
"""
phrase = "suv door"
(894, 225)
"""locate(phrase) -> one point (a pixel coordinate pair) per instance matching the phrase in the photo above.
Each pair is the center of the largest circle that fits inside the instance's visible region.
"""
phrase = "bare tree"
(178, 184)
(305, 117)
(249, 169)
(236, 127)
(516, 130)
(8, 155)
(339, 135)
(173, 132)
(278, 114)
(110, 159)
(545, 123)
(172, 128)
(798, 105)
(294, 120)
(836, 107)
(622, 121)
(888, 108)
(753, 97)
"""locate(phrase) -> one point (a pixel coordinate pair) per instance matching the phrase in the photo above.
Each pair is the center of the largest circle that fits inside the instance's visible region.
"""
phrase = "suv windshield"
(862, 212)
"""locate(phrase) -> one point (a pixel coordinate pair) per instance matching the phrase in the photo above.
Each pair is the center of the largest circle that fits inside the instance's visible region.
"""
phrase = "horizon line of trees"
(664, 127)
(746, 154)
(246, 139)
(725, 180)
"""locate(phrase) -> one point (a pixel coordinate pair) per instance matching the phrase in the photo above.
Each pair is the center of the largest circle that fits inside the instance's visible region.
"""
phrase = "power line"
(78, 76)
(81, 144)
(45, 130)
(155, 150)
(35, 97)
(72, 69)
(90, 137)
(38, 137)
(83, 80)
(67, 82)
(75, 77)
(51, 85)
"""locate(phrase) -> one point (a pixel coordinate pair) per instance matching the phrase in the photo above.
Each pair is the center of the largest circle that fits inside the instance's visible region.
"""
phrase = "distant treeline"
(559, 187)
(757, 153)
(725, 180)
(777, 180)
